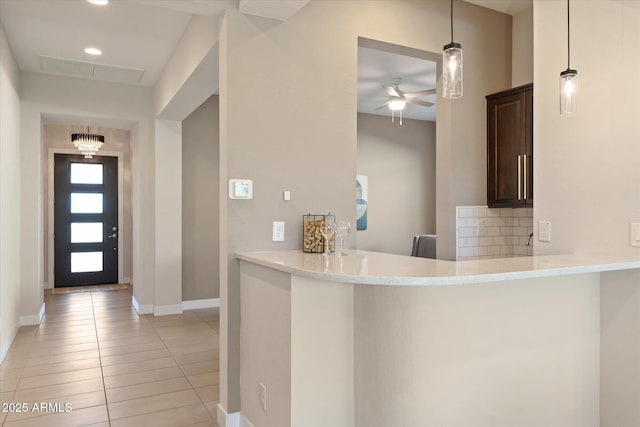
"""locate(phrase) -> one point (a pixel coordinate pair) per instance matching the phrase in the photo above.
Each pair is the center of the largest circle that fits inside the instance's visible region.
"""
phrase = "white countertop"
(373, 268)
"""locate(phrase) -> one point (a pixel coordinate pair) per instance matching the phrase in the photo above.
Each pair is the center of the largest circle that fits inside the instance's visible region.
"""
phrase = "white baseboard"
(235, 419)
(227, 420)
(201, 303)
(166, 310)
(244, 422)
(141, 309)
(5, 348)
(32, 319)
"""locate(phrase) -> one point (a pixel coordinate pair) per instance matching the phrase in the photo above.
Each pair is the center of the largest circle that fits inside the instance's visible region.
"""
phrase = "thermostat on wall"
(240, 189)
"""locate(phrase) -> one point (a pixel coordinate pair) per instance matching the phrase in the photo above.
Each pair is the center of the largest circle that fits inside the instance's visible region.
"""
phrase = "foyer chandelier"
(87, 143)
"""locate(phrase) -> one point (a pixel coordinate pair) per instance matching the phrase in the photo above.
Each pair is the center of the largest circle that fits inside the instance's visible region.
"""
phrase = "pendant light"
(568, 80)
(452, 67)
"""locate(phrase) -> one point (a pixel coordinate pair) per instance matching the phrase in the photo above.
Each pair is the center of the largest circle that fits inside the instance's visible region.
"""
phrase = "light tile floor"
(110, 366)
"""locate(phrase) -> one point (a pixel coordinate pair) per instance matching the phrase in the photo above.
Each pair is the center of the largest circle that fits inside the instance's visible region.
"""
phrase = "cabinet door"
(528, 149)
(506, 148)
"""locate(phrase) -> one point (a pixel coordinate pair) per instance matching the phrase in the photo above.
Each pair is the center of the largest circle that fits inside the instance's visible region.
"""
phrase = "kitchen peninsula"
(371, 339)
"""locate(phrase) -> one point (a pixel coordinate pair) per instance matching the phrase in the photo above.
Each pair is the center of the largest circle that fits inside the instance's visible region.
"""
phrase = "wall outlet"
(634, 236)
(544, 231)
(263, 396)
(278, 231)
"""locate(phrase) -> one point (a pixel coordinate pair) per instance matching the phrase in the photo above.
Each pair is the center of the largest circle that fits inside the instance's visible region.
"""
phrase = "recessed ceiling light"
(99, 2)
(93, 51)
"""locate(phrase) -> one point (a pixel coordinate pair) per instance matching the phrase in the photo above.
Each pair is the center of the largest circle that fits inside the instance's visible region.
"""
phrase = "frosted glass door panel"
(83, 262)
(86, 173)
(86, 203)
(87, 232)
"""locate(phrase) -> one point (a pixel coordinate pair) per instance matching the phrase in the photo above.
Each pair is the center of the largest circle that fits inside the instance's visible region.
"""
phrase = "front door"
(86, 220)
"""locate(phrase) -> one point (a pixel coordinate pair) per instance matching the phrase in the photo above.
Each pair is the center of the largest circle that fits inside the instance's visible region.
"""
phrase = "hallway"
(95, 361)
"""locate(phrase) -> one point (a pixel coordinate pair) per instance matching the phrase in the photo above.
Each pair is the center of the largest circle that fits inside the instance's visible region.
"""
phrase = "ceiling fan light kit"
(397, 105)
(568, 81)
(452, 67)
(398, 99)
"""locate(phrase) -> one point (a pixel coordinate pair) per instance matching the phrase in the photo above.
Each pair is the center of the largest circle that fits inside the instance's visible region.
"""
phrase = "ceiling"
(510, 7)
(133, 36)
(137, 38)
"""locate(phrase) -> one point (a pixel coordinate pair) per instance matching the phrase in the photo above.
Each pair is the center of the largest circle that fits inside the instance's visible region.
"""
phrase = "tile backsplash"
(483, 232)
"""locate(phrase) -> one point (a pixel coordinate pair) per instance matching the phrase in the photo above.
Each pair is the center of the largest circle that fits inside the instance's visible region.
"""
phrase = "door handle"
(114, 235)
(525, 177)
(519, 178)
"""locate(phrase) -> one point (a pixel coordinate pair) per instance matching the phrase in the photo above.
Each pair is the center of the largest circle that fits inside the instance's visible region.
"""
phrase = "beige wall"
(301, 351)
(55, 136)
(481, 355)
(522, 49)
(266, 340)
(9, 196)
(198, 39)
(288, 90)
(400, 162)
(200, 203)
(587, 175)
(620, 357)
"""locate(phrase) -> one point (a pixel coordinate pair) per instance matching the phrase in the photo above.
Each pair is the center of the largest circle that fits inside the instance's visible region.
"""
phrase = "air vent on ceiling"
(66, 66)
(117, 74)
(71, 67)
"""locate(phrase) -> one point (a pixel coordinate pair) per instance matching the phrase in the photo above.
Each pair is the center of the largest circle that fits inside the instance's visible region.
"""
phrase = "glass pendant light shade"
(452, 71)
(568, 92)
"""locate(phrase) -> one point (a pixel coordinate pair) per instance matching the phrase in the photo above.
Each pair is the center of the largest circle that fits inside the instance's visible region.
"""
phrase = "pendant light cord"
(568, 39)
(451, 15)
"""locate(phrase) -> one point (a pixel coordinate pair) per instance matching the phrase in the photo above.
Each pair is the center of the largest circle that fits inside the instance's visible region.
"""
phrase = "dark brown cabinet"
(510, 147)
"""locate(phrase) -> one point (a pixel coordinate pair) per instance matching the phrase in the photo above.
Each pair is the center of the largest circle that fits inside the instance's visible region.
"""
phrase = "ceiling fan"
(398, 99)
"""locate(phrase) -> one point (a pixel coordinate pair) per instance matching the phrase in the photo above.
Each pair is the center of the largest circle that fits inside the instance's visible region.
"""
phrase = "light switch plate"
(634, 235)
(278, 231)
(240, 189)
(544, 231)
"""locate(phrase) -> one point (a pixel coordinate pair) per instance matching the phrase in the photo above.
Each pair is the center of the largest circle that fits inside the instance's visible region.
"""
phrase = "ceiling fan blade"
(391, 91)
(420, 102)
(382, 106)
(420, 93)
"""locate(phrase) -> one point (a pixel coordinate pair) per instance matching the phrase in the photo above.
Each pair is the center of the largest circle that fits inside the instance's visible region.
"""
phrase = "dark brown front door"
(86, 220)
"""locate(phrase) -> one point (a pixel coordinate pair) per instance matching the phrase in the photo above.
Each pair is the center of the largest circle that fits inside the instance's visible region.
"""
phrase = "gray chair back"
(424, 246)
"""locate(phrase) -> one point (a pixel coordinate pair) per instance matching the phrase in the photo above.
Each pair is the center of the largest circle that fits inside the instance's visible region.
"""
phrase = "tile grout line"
(104, 386)
(181, 370)
(22, 368)
(155, 331)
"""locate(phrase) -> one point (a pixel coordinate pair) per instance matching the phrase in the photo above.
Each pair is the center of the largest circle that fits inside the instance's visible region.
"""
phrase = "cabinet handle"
(525, 176)
(519, 178)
